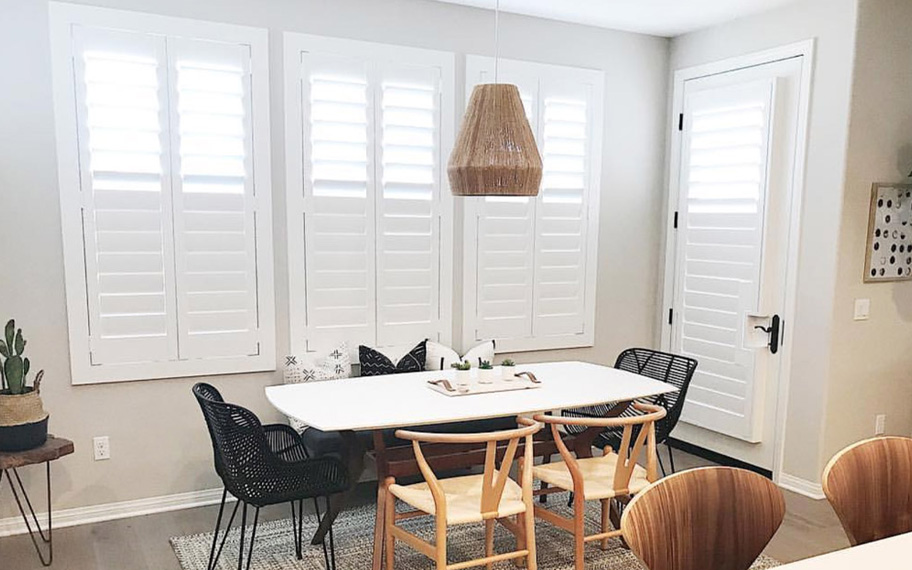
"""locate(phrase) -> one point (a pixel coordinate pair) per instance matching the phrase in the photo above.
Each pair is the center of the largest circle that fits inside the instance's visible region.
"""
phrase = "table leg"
(46, 539)
(582, 442)
(382, 484)
(353, 456)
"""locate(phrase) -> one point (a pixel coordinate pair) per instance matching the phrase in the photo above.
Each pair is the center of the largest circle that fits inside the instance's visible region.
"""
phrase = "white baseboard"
(112, 511)
(801, 486)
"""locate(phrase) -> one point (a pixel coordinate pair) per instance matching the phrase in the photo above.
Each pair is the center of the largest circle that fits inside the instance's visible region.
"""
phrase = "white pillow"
(316, 367)
(440, 357)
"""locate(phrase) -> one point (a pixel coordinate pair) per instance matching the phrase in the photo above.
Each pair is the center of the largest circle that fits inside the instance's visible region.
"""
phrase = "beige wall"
(158, 441)
(872, 360)
(832, 24)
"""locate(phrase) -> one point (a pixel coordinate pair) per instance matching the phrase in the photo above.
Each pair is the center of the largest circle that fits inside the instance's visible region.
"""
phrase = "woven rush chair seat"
(463, 498)
(598, 477)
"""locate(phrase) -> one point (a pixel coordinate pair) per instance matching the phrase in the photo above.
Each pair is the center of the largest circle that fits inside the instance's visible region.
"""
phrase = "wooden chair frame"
(494, 482)
(627, 460)
(868, 485)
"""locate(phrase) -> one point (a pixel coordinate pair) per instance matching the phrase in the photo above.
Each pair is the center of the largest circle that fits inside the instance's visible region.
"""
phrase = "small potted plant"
(23, 421)
(508, 368)
(463, 372)
(486, 372)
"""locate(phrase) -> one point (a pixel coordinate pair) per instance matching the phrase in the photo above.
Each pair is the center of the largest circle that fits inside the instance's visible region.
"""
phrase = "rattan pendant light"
(495, 153)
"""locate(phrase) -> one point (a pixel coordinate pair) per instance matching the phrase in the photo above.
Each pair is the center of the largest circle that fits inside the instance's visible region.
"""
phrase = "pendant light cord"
(496, 36)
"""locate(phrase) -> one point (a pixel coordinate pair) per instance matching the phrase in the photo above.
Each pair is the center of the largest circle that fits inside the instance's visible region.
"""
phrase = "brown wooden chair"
(611, 476)
(716, 517)
(487, 497)
(869, 485)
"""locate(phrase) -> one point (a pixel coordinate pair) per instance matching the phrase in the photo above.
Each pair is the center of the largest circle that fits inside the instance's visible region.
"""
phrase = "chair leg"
(332, 539)
(529, 539)
(661, 464)
(256, 519)
(294, 530)
(579, 533)
(489, 541)
(520, 522)
(671, 457)
(389, 521)
(440, 556)
(606, 521)
(243, 531)
(213, 554)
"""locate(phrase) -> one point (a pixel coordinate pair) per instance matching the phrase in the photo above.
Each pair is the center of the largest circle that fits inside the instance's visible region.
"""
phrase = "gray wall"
(158, 441)
(832, 24)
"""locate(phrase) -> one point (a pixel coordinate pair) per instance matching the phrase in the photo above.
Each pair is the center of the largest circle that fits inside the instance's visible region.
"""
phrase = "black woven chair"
(264, 465)
(671, 368)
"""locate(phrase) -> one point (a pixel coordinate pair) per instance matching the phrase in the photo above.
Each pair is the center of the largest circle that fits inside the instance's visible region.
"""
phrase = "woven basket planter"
(23, 421)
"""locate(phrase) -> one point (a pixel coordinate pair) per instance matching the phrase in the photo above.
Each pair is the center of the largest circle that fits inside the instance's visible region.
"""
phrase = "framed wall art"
(889, 249)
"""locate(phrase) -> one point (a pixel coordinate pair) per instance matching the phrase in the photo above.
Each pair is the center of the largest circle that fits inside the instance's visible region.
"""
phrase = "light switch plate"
(862, 309)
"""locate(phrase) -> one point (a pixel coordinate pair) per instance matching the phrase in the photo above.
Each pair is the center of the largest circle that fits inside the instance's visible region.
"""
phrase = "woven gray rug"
(354, 537)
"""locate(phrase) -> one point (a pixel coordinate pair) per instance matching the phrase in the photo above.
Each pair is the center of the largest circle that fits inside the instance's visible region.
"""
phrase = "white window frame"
(475, 66)
(63, 17)
(295, 44)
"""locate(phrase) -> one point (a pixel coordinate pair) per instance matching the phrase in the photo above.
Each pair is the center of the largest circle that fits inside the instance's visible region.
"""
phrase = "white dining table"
(887, 554)
(377, 403)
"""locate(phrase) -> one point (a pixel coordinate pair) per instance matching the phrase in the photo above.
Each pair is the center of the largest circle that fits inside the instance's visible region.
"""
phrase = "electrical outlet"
(862, 309)
(102, 448)
(880, 424)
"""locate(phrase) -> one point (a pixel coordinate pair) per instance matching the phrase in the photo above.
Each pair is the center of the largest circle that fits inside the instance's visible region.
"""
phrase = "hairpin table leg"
(30, 516)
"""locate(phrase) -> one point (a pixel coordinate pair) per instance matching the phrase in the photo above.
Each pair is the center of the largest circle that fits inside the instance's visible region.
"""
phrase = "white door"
(738, 146)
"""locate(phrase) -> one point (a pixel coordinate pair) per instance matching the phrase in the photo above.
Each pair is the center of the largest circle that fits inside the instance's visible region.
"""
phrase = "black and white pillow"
(312, 367)
(375, 363)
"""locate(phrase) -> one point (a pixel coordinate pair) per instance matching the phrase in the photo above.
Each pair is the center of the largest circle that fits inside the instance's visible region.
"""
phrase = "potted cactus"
(23, 421)
(486, 373)
(463, 372)
(508, 369)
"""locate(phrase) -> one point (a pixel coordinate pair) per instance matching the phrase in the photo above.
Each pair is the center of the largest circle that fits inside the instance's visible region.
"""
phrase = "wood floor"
(141, 543)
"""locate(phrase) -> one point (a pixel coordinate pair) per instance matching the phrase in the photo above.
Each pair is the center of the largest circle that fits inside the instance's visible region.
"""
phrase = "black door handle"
(773, 332)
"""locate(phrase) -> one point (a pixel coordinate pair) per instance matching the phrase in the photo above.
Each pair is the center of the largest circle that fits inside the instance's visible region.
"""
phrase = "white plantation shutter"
(214, 200)
(408, 226)
(562, 211)
(339, 198)
(164, 215)
(720, 246)
(532, 261)
(122, 81)
(369, 128)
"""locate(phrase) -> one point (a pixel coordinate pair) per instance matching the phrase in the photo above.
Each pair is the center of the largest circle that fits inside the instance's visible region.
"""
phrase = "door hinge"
(681, 122)
(676, 220)
(671, 313)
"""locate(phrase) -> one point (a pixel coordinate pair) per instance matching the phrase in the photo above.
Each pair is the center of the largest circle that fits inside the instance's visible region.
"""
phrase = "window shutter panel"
(338, 200)
(214, 201)
(121, 81)
(408, 222)
(561, 217)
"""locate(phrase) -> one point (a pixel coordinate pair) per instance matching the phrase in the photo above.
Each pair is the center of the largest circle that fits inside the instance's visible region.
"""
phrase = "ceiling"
(656, 17)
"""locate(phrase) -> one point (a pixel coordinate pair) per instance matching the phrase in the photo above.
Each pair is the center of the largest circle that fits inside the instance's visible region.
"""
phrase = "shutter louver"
(214, 200)
(533, 260)
(560, 271)
(725, 167)
(339, 200)
(125, 188)
(408, 230)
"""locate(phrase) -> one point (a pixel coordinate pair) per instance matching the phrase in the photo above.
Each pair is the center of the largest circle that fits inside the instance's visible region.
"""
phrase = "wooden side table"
(10, 462)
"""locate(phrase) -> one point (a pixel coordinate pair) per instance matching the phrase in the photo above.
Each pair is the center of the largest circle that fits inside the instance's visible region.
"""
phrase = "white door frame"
(805, 50)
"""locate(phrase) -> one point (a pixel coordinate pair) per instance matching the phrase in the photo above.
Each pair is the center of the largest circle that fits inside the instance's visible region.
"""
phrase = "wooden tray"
(476, 387)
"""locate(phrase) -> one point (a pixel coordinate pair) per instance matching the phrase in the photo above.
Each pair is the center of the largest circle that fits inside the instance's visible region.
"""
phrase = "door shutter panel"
(214, 200)
(724, 170)
(338, 200)
(121, 80)
(561, 224)
(408, 222)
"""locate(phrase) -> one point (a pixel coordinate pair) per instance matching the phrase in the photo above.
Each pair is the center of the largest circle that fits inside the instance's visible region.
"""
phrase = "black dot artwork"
(889, 255)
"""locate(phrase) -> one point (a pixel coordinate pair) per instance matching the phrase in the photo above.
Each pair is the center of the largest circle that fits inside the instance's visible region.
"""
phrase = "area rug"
(354, 544)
